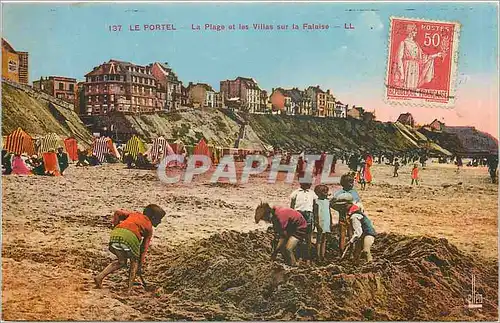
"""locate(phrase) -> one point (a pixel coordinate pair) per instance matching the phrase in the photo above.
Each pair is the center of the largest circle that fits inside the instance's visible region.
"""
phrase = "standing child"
(396, 168)
(302, 200)
(130, 239)
(414, 174)
(323, 220)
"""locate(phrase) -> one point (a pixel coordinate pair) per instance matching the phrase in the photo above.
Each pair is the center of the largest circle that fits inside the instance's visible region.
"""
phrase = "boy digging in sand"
(125, 241)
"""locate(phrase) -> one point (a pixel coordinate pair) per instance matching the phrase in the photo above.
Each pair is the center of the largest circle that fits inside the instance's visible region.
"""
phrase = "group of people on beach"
(22, 164)
(311, 211)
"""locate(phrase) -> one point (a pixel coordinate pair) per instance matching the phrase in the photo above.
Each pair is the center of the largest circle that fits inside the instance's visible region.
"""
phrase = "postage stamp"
(422, 62)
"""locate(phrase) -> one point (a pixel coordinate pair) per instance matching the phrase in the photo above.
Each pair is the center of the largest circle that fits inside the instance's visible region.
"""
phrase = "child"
(302, 200)
(347, 182)
(396, 168)
(290, 226)
(363, 231)
(125, 241)
(323, 220)
(414, 174)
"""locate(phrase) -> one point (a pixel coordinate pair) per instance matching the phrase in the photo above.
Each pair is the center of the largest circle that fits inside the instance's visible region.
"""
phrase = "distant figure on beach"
(492, 162)
(62, 160)
(414, 174)
(130, 239)
(396, 168)
(289, 224)
(6, 162)
(459, 163)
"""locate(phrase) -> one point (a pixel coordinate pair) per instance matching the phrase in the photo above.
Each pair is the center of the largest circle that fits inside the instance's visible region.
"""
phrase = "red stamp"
(422, 62)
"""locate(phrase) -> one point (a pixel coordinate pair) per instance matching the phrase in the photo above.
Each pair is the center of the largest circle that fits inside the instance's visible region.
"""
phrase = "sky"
(70, 39)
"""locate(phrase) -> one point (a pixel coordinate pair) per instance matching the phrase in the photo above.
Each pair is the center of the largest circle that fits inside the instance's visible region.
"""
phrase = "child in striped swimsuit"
(130, 239)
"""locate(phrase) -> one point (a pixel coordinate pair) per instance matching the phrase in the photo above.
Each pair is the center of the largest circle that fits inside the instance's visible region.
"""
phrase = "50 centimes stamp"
(422, 62)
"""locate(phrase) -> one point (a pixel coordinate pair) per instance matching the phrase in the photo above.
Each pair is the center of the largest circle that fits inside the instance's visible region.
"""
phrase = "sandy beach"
(56, 229)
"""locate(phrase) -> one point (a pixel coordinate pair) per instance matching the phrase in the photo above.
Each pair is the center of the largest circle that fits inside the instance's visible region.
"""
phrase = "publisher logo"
(474, 300)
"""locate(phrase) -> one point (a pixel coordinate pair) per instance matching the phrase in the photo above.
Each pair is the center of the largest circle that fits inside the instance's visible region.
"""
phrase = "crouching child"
(363, 232)
(289, 224)
(130, 240)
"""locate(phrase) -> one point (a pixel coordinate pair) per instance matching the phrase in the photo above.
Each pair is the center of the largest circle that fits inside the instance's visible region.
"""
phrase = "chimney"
(328, 91)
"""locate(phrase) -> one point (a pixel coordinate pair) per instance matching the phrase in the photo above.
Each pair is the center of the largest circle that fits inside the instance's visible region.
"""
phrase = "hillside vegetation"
(38, 117)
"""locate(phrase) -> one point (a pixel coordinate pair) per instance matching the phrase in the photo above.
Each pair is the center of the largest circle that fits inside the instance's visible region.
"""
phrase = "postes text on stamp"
(422, 62)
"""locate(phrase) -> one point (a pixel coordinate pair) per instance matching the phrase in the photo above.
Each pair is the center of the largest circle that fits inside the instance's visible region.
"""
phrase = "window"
(105, 77)
(61, 86)
(135, 79)
(112, 97)
(150, 101)
(71, 87)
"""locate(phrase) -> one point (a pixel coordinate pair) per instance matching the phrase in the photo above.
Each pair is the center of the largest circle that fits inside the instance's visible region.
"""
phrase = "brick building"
(340, 110)
(64, 88)
(120, 86)
(201, 95)
(281, 101)
(14, 64)
(406, 119)
(437, 125)
(265, 102)
(168, 88)
(243, 90)
(80, 106)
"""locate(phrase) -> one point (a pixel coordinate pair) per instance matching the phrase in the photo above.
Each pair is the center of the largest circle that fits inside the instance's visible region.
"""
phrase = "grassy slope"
(309, 133)
(35, 117)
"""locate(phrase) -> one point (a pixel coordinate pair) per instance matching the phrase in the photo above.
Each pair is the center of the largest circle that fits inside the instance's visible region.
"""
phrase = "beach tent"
(103, 146)
(51, 164)
(71, 148)
(19, 142)
(202, 148)
(50, 141)
(135, 146)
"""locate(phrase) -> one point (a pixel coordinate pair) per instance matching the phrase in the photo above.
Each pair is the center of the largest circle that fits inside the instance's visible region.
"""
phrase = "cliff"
(39, 114)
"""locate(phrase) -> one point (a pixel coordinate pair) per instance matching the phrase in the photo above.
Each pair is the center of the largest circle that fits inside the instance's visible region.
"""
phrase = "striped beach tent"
(19, 142)
(135, 146)
(159, 148)
(103, 146)
(50, 141)
(71, 148)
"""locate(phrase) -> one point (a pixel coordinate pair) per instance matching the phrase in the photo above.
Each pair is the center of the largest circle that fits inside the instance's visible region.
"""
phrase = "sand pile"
(230, 277)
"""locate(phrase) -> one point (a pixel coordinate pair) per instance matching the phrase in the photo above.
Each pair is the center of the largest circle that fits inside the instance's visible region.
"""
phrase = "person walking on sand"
(130, 239)
(364, 233)
(414, 174)
(323, 220)
(396, 168)
(289, 224)
(302, 200)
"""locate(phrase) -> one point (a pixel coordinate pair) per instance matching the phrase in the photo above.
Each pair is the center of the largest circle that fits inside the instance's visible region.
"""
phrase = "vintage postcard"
(250, 161)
